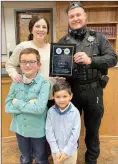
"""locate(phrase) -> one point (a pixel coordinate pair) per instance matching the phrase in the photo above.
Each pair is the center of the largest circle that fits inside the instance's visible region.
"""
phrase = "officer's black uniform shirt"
(96, 46)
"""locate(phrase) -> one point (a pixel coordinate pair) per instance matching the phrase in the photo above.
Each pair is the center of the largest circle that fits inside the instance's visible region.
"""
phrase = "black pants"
(32, 148)
(50, 103)
(91, 102)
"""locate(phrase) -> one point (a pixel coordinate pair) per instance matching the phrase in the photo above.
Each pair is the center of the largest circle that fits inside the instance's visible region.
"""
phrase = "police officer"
(94, 55)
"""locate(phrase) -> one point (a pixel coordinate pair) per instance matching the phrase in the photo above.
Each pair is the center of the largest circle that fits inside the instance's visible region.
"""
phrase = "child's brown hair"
(61, 85)
(30, 51)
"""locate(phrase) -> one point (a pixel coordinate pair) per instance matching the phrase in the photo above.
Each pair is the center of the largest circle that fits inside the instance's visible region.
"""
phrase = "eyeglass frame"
(31, 62)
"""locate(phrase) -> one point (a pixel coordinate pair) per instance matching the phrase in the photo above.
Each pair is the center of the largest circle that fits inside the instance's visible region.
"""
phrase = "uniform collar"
(78, 33)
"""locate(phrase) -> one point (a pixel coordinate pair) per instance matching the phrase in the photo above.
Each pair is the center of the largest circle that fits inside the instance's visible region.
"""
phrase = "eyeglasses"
(31, 62)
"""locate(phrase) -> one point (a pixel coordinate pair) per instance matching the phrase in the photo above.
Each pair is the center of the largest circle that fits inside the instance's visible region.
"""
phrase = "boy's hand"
(63, 157)
(57, 157)
(14, 100)
(32, 100)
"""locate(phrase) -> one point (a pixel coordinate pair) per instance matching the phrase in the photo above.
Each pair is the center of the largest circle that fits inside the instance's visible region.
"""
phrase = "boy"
(27, 101)
(63, 125)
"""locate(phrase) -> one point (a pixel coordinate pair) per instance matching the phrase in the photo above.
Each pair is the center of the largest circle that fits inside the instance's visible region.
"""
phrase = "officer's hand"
(59, 78)
(82, 57)
(14, 100)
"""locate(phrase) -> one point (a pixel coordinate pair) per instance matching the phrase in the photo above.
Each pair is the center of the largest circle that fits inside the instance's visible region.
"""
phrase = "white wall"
(3, 37)
(3, 33)
(9, 19)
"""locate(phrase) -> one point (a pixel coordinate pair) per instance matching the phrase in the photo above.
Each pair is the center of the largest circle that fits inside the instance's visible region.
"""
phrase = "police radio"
(104, 80)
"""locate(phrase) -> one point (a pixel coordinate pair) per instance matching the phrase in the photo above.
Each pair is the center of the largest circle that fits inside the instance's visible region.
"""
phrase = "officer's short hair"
(74, 5)
(61, 85)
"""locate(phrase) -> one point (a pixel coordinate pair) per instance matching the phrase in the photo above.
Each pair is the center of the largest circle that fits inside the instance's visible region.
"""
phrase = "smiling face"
(40, 30)
(62, 98)
(76, 18)
(29, 65)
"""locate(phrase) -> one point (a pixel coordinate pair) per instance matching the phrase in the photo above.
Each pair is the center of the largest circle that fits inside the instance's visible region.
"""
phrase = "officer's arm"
(107, 57)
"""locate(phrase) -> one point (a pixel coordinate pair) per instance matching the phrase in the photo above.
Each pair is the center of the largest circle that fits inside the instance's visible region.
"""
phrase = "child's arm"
(37, 106)
(9, 107)
(74, 135)
(50, 136)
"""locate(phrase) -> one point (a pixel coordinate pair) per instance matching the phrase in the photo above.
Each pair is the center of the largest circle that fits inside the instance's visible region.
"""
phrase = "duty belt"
(89, 86)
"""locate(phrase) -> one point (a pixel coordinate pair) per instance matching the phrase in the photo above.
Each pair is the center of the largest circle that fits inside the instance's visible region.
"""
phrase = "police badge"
(91, 39)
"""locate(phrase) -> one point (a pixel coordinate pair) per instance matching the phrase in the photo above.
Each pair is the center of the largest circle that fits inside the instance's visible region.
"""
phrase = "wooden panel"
(113, 43)
(110, 119)
(103, 14)
(6, 118)
(61, 16)
(61, 32)
(98, 4)
(117, 38)
(61, 19)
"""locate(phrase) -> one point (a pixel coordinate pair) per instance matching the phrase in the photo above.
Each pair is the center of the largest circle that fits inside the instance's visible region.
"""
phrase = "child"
(63, 125)
(27, 101)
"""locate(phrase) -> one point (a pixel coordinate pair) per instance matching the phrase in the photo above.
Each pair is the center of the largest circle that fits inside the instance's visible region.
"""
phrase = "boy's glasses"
(31, 62)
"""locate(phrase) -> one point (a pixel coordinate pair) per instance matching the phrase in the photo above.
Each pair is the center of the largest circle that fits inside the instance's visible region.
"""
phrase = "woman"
(39, 29)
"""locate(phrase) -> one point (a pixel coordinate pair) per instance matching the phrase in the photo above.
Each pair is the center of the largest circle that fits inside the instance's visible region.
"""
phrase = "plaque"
(61, 59)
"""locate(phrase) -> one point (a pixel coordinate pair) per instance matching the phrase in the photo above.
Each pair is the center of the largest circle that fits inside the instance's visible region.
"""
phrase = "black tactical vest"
(88, 44)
